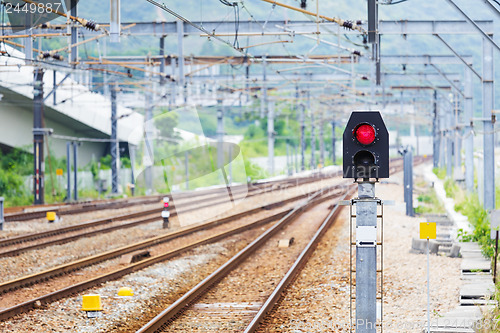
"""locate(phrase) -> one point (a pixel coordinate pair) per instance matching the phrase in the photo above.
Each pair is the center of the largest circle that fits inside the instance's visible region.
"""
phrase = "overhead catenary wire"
(343, 23)
(180, 17)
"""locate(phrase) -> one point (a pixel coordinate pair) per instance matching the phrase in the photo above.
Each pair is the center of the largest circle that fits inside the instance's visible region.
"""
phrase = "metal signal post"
(366, 159)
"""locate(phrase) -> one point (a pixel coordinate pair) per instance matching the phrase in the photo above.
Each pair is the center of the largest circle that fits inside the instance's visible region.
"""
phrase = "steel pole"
(148, 140)
(366, 259)
(2, 220)
(488, 127)
(435, 133)
(220, 132)
(68, 170)
(449, 144)
(74, 35)
(302, 138)
(313, 142)
(75, 166)
(270, 138)
(334, 156)
(38, 139)
(115, 154)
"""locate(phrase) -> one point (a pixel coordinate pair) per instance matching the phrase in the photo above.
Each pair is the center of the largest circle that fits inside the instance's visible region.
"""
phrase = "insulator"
(358, 53)
(57, 56)
(44, 55)
(347, 24)
(303, 4)
(91, 25)
(359, 22)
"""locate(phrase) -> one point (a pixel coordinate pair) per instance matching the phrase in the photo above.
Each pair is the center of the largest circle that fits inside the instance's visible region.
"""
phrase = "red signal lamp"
(365, 134)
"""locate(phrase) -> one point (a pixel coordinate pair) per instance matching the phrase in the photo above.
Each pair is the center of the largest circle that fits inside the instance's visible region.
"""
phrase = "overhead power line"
(180, 17)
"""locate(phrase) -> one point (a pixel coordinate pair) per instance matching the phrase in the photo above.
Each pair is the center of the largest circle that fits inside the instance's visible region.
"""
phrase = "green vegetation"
(471, 207)
(429, 203)
(13, 167)
(440, 173)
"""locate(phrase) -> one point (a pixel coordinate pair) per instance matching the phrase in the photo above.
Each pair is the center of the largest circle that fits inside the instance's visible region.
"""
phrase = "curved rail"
(163, 319)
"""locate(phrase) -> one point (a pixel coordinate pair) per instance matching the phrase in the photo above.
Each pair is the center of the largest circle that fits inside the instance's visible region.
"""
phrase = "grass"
(429, 203)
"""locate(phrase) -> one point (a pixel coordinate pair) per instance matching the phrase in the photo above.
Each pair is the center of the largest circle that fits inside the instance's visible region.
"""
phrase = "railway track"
(146, 216)
(25, 213)
(27, 305)
(223, 308)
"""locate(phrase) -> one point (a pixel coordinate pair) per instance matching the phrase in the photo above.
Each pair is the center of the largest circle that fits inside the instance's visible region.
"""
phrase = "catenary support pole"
(74, 35)
(131, 149)
(220, 131)
(149, 149)
(115, 22)
(186, 168)
(302, 138)
(264, 104)
(321, 142)
(312, 165)
(38, 138)
(449, 143)
(68, 171)
(162, 60)
(442, 135)
(180, 58)
(115, 152)
(1, 213)
(296, 159)
(488, 127)
(436, 138)
(270, 138)
(334, 156)
(75, 170)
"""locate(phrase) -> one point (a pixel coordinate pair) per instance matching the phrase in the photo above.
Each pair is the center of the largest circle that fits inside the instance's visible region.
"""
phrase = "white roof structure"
(74, 100)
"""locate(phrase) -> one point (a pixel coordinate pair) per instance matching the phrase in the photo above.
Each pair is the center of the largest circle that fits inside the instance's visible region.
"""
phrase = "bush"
(478, 218)
(439, 172)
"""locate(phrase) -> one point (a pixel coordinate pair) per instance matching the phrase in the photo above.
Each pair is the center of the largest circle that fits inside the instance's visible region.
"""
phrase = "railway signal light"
(366, 146)
(165, 214)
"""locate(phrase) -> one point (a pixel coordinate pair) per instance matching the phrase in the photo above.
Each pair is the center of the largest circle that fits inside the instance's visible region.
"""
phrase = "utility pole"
(469, 138)
(334, 156)
(302, 138)
(488, 126)
(180, 59)
(263, 104)
(115, 22)
(435, 133)
(270, 138)
(149, 132)
(313, 142)
(321, 142)
(38, 138)
(75, 170)
(313, 133)
(68, 171)
(115, 151)
(74, 35)
(449, 144)
(220, 130)
(162, 60)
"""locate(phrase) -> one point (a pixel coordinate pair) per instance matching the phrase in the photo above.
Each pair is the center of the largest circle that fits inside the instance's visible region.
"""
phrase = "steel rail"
(166, 316)
(56, 295)
(76, 208)
(296, 268)
(173, 311)
(95, 223)
(76, 265)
